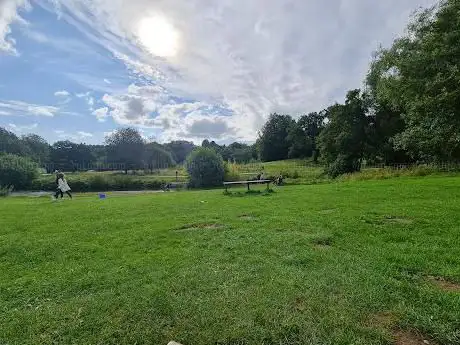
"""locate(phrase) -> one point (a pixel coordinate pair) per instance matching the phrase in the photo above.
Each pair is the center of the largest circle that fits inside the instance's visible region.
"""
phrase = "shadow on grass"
(250, 193)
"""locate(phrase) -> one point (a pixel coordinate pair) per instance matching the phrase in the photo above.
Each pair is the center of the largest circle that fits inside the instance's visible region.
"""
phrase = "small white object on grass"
(173, 343)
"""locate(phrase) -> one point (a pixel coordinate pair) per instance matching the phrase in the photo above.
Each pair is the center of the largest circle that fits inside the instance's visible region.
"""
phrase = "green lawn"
(341, 263)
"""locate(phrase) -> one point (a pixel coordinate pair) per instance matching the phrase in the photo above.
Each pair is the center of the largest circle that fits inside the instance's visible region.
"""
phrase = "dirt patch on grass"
(388, 320)
(399, 220)
(382, 320)
(322, 242)
(404, 337)
(299, 304)
(200, 226)
(444, 284)
(327, 211)
(247, 217)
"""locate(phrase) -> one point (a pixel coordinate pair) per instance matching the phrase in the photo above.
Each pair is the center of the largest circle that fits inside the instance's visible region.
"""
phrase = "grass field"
(361, 262)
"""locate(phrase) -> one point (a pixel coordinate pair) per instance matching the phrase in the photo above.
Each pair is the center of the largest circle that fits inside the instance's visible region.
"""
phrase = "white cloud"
(101, 113)
(288, 56)
(8, 15)
(37, 36)
(79, 136)
(62, 93)
(82, 95)
(107, 81)
(84, 134)
(22, 128)
(19, 108)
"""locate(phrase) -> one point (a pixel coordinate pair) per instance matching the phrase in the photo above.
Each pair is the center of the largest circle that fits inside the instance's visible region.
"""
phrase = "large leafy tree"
(69, 156)
(419, 77)
(38, 147)
(10, 143)
(300, 144)
(312, 125)
(273, 139)
(180, 150)
(156, 157)
(126, 146)
(343, 140)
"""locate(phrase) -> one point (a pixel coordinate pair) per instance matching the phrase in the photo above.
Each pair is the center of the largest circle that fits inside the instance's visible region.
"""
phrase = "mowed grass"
(342, 263)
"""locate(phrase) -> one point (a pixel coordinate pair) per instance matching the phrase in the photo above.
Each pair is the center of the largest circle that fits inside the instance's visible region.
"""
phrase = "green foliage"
(68, 156)
(126, 147)
(38, 147)
(301, 146)
(419, 77)
(180, 150)
(10, 143)
(100, 183)
(156, 157)
(343, 164)
(273, 139)
(343, 140)
(205, 168)
(17, 171)
(5, 190)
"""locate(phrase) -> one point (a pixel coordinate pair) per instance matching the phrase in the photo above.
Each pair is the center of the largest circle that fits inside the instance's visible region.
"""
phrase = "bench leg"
(248, 186)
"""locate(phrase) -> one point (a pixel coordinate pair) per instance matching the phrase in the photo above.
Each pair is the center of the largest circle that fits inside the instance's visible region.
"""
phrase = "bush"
(99, 183)
(205, 168)
(17, 171)
(5, 190)
(343, 164)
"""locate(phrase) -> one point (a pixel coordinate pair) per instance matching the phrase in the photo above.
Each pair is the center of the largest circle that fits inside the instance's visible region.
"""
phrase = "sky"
(183, 69)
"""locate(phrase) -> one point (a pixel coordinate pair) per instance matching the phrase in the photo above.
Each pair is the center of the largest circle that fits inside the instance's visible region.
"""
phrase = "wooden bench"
(248, 183)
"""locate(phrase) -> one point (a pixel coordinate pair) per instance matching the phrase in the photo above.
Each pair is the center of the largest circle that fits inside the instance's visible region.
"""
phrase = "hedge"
(99, 183)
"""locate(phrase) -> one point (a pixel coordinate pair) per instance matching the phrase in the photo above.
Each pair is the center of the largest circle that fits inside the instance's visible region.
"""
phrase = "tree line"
(125, 149)
(408, 110)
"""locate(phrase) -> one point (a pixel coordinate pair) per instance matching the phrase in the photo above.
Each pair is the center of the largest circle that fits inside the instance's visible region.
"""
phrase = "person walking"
(62, 186)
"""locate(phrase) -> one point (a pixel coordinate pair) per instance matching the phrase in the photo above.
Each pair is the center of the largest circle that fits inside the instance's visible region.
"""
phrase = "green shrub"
(343, 164)
(99, 183)
(205, 168)
(5, 190)
(17, 171)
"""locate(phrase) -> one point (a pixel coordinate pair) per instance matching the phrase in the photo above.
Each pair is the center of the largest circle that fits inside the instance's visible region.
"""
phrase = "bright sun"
(158, 36)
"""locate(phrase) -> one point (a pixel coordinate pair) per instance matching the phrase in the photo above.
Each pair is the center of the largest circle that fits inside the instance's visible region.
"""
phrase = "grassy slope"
(121, 271)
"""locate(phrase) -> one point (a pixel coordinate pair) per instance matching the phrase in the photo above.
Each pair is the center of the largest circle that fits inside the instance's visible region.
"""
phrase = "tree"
(205, 168)
(419, 77)
(156, 157)
(300, 144)
(180, 150)
(272, 142)
(10, 143)
(17, 171)
(312, 125)
(69, 156)
(38, 147)
(126, 147)
(343, 140)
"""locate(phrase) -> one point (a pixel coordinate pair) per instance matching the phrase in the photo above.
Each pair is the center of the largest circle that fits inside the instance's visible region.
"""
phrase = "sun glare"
(158, 36)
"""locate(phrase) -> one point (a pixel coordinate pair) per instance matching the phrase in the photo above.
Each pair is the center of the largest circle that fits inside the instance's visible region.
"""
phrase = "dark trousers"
(59, 192)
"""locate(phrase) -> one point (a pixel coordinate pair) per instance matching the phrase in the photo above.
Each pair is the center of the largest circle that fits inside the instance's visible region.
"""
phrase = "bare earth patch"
(411, 338)
(400, 220)
(247, 217)
(327, 211)
(382, 320)
(443, 284)
(322, 242)
(199, 226)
